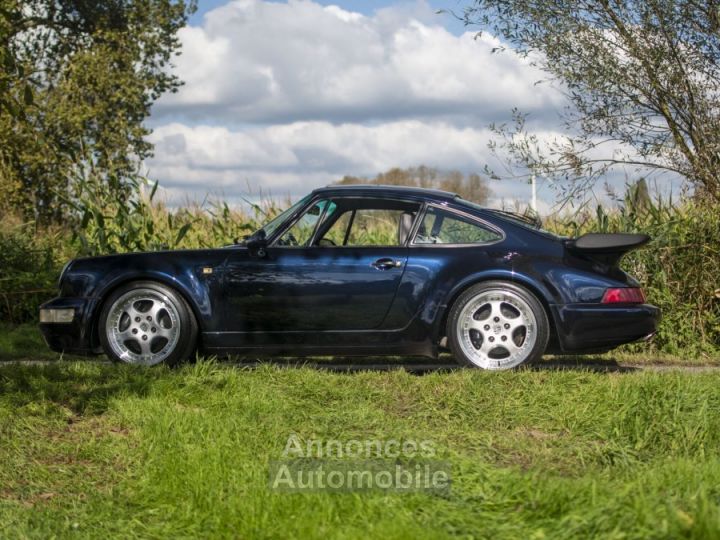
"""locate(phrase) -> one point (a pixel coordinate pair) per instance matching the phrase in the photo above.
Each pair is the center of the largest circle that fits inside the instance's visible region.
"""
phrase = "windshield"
(271, 226)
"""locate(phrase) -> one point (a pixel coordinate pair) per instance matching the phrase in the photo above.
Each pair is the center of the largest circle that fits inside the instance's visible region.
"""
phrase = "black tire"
(173, 317)
(467, 330)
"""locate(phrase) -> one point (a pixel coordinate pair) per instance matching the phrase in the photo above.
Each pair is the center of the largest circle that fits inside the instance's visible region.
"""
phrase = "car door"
(336, 268)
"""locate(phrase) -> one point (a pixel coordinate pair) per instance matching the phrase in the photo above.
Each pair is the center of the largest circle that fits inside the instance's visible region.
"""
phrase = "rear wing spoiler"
(606, 248)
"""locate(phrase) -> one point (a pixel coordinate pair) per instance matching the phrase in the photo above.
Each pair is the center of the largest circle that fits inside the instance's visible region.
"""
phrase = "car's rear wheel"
(497, 325)
(147, 323)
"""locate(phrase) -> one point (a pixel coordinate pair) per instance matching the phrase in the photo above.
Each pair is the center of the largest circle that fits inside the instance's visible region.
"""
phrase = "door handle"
(386, 264)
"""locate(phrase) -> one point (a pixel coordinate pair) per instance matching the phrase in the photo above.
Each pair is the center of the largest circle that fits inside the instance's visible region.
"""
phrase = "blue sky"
(283, 97)
(366, 7)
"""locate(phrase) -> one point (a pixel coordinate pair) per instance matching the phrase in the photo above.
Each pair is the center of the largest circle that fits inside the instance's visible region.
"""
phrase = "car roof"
(378, 190)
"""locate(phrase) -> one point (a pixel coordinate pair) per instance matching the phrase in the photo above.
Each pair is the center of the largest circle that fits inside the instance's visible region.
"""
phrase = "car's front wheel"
(147, 323)
(497, 325)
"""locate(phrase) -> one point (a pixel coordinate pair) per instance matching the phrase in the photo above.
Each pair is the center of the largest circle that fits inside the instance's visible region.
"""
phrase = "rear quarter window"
(440, 226)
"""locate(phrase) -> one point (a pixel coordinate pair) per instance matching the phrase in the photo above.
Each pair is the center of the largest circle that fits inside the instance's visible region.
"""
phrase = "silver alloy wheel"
(497, 329)
(143, 327)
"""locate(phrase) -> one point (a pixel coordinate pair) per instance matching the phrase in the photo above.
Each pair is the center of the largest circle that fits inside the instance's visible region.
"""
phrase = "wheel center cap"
(497, 328)
(144, 327)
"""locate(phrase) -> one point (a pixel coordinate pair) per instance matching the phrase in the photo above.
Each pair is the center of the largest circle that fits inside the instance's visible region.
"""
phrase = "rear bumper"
(70, 337)
(590, 327)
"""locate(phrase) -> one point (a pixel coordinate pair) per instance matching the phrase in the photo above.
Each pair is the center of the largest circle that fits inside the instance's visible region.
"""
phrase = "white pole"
(533, 204)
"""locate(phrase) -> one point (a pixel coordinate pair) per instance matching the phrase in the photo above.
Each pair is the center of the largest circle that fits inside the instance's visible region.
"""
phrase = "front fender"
(195, 274)
(194, 290)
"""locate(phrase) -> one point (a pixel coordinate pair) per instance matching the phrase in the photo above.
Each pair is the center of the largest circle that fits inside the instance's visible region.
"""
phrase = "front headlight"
(60, 315)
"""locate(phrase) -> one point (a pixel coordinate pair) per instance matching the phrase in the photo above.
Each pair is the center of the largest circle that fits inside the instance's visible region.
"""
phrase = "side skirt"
(376, 343)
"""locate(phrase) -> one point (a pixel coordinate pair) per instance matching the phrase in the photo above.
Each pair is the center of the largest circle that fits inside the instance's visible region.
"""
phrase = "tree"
(471, 187)
(642, 78)
(80, 78)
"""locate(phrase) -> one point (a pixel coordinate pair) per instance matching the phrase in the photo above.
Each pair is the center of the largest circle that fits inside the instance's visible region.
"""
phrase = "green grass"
(93, 450)
(18, 341)
(96, 450)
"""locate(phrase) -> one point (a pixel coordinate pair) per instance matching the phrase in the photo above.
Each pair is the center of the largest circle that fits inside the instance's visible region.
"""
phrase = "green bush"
(29, 265)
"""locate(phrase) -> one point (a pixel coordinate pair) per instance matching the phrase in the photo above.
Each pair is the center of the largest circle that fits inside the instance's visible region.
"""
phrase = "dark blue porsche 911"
(360, 270)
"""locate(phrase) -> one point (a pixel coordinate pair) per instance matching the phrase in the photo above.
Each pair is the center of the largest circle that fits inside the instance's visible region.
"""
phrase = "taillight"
(625, 295)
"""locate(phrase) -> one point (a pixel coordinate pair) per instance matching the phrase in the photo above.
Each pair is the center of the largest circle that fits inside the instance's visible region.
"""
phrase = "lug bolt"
(496, 319)
(507, 326)
(149, 318)
(153, 329)
(504, 338)
(137, 319)
(487, 327)
(144, 338)
(134, 330)
(492, 339)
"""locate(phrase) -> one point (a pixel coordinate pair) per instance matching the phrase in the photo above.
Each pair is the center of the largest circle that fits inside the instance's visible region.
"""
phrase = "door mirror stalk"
(257, 244)
(257, 247)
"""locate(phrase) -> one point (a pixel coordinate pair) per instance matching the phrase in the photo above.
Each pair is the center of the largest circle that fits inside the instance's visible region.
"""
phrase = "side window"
(442, 227)
(335, 236)
(363, 224)
(300, 233)
(374, 228)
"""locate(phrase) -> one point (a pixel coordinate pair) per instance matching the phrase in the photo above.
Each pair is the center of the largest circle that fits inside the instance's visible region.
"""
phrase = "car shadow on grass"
(580, 363)
(422, 366)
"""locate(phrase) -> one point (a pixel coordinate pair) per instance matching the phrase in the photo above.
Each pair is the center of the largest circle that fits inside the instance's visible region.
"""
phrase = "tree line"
(471, 187)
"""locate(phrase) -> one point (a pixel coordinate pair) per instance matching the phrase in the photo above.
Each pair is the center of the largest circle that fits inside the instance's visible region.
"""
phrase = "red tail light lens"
(626, 295)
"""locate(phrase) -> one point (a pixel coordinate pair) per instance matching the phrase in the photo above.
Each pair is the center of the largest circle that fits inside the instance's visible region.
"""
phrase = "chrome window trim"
(296, 217)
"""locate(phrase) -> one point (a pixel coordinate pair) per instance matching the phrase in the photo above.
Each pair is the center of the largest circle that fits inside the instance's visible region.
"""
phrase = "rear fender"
(541, 291)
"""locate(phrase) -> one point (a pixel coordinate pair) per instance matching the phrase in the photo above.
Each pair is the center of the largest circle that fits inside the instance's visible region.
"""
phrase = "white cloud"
(302, 155)
(290, 96)
(255, 61)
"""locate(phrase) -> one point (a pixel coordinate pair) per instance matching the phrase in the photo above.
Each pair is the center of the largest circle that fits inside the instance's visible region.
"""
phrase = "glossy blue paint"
(306, 289)
(266, 298)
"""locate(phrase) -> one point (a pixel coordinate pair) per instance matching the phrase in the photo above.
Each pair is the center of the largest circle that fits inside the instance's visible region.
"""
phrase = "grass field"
(92, 450)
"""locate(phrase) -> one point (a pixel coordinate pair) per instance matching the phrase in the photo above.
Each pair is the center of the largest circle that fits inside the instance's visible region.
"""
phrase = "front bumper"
(591, 327)
(74, 336)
